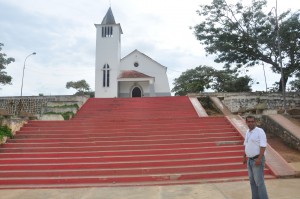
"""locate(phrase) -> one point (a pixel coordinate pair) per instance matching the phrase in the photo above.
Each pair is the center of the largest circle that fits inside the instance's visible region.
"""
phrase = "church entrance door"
(136, 92)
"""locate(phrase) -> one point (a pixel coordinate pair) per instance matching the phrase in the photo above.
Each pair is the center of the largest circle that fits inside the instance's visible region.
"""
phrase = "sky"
(63, 35)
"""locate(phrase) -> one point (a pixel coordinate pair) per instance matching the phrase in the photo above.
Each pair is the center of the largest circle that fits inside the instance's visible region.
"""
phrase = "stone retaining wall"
(270, 126)
(34, 104)
(14, 124)
(255, 100)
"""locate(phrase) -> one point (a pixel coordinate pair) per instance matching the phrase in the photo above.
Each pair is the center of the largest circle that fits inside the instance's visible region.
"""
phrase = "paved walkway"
(277, 189)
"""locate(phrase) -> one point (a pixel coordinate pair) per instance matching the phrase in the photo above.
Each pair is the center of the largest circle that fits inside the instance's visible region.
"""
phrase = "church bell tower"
(108, 56)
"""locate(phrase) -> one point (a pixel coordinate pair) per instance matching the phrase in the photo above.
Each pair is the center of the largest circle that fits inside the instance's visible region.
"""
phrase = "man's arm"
(261, 154)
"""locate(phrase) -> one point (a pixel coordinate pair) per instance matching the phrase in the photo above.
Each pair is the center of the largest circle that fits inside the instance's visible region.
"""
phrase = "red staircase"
(122, 142)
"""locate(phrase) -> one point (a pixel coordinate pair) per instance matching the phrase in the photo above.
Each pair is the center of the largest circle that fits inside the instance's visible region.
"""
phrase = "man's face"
(251, 123)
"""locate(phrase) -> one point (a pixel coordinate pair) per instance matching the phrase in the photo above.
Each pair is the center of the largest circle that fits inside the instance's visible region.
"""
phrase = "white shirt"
(254, 140)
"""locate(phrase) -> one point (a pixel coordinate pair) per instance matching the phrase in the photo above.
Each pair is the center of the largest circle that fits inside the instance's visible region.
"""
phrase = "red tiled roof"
(132, 74)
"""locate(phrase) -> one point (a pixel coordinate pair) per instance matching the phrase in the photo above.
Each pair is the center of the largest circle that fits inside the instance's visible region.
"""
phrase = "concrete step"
(98, 133)
(181, 122)
(152, 157)
(197, 150)
(94, 142)
(118, 137)
(132, 184)
(120, 147)
(120, 171)
(121, 179)
(120, 164)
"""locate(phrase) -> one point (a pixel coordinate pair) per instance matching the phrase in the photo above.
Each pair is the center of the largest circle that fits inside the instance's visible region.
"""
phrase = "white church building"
(135, 75)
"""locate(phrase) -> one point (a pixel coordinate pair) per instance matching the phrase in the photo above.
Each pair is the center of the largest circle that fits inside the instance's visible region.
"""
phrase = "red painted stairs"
(123, 142)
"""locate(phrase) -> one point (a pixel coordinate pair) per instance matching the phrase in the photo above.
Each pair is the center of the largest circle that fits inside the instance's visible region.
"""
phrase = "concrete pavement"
(277, 189)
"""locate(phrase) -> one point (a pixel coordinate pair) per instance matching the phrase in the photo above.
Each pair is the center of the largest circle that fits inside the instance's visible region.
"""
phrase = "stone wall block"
(34, 104)
(276, 129)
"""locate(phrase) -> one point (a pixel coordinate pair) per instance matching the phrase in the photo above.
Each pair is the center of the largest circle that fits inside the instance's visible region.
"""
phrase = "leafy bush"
(67, 115)
(5, 132)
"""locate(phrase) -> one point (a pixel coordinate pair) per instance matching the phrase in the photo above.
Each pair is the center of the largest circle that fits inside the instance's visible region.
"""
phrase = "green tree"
(4, 78)
(296, 83)
(245, 36)
(205, 77)
(228, 81)
(81, 86)
(193, 80)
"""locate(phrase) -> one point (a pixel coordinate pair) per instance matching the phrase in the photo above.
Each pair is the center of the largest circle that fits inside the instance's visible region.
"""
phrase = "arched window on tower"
(107, 31)
(106, 75)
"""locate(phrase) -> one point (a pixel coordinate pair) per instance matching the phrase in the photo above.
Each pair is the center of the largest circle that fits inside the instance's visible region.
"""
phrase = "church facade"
(135, 75)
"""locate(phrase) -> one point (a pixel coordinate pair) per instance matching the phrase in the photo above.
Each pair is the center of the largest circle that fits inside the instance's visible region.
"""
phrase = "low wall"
(255, 100)
(272, 127)
(34, 104)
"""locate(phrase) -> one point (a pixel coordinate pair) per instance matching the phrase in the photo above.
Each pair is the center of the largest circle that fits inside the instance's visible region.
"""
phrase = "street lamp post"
(20, 105)
(34, 53)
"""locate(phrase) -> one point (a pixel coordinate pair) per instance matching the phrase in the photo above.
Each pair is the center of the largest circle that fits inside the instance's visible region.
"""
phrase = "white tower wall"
(108, 51)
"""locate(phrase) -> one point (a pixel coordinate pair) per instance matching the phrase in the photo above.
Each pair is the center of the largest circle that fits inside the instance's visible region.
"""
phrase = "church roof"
(133, 74)
(108, 18)
(136, 51)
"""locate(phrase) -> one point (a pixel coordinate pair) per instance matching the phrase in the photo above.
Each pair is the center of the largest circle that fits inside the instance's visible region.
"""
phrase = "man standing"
(255, 146)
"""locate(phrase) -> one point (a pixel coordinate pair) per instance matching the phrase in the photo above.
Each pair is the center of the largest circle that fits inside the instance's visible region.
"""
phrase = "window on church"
(107, 31)
(107, 78)
(106, 75)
